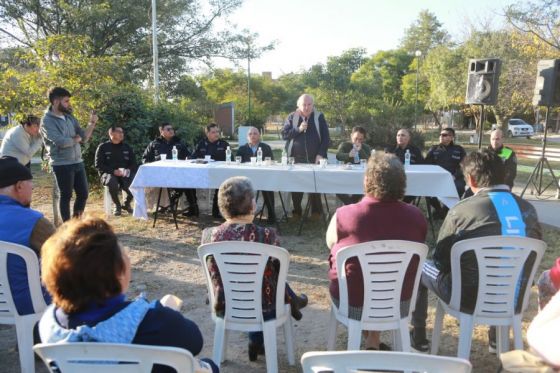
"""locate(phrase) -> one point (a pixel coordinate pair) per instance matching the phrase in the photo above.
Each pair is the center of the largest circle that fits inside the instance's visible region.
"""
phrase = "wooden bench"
(534, 152)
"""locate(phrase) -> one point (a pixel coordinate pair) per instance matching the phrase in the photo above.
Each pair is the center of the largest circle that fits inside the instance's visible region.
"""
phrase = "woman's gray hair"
(385, 177)
(235, 197)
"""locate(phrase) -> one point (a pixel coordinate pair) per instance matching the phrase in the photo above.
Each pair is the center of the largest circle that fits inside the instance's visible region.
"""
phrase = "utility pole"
(155, 52)
(418, 53)
(249, 81)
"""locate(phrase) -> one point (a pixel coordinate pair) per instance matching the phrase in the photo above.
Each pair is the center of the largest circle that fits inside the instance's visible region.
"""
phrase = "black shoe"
(192, 211)
(255, 349)
(296, 304)
(216, 213)
(418, 340)
(271, 219)
(117, 211)
(492, 339)
(128, 208)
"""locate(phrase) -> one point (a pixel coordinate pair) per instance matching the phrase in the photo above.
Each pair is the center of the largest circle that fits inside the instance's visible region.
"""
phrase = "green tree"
(540, 19)
(123, 28)
(424, 34)
(333, 89)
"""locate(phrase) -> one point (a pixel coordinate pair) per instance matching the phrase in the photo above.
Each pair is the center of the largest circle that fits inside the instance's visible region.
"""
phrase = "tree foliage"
(424, 34)
(123, 28)
(540, 19)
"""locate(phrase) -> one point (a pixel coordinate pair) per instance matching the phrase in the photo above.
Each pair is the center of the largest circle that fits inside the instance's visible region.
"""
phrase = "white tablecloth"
(422, 180)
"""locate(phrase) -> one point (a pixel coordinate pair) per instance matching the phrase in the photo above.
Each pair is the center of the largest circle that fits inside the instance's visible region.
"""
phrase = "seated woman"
(236, 201)
(88, 273)
(380, 215)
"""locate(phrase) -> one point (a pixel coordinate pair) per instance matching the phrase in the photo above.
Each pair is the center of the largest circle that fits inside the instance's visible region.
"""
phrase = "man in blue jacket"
(21, 225)
(307, 140)
(63, 135)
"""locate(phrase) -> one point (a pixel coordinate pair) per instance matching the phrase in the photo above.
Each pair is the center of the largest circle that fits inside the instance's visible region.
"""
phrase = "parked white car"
(518, 127)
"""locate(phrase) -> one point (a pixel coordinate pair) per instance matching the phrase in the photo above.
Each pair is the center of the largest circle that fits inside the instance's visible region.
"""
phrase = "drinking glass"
(291, 161)
(268, 161)
(253, 161)
(238, 159)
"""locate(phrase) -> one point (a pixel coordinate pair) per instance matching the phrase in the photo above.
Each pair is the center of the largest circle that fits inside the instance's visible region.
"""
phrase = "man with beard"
(63, 135)
(21, 225)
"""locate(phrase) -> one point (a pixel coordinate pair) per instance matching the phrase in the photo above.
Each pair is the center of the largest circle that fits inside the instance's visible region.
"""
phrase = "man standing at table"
(492, 210)
(250, 150)
(307, 139)
(63, 135)
(164, 144)
(403, 144)
(215, 147)
(116, 164)
(448, 156)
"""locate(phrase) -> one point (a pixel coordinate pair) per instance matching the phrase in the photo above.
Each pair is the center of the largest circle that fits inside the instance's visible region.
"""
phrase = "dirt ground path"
(164, 261)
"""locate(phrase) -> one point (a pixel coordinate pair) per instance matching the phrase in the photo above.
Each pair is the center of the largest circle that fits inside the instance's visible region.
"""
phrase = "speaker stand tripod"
(536, 177)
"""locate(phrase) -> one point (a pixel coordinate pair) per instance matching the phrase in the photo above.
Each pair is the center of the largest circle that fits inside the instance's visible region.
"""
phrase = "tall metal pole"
(249, 84)
(155, 52)
(417, 54)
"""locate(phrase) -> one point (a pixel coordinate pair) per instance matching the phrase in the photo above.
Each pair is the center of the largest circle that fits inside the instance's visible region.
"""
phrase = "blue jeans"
(71, 177)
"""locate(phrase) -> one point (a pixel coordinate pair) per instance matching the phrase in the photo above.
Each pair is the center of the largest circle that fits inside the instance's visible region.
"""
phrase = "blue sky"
(307, 32)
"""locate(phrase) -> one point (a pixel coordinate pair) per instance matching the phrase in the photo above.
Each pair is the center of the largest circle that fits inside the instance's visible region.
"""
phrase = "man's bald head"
(305, 104)
(496, 139)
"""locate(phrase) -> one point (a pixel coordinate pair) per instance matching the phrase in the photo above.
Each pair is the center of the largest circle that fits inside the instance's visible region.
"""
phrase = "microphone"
(305, 121)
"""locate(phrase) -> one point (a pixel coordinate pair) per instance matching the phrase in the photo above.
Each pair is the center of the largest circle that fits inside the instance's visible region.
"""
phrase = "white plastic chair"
(384, 265)
(500, 264)
(8, 312)
(241, 266)
(111, 357)
(354, 361)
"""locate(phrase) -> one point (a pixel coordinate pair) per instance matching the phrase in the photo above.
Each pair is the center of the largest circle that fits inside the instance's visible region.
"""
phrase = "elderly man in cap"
(21, 225)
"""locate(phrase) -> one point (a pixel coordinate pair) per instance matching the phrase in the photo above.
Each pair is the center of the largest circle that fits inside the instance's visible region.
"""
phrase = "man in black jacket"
(164, 144)
(116, 164)
(447, 155)
(215, 147)
(403, 144)
(250, 150)
(492, 210)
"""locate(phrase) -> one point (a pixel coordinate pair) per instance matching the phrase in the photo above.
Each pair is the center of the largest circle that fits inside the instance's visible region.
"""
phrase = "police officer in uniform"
(116, 164)
(164, 145)
(403, 144)
(506, 154)
(448, 156)
(215, 147)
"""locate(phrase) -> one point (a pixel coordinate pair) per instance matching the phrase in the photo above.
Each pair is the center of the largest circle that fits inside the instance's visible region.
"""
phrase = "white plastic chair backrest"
(112, 357)
(501, 260)
(8, 309)
(241, 266)
(357, 361)
(384, 265)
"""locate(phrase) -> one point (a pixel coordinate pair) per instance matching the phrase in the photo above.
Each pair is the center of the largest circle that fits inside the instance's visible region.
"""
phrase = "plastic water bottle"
(356, 155)
(407, 158)
(284, 157)
(259, 157)
(228, 155)
(175, 153)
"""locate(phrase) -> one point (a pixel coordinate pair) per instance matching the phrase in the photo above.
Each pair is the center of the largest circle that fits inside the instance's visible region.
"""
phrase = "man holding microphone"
(307, 139)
